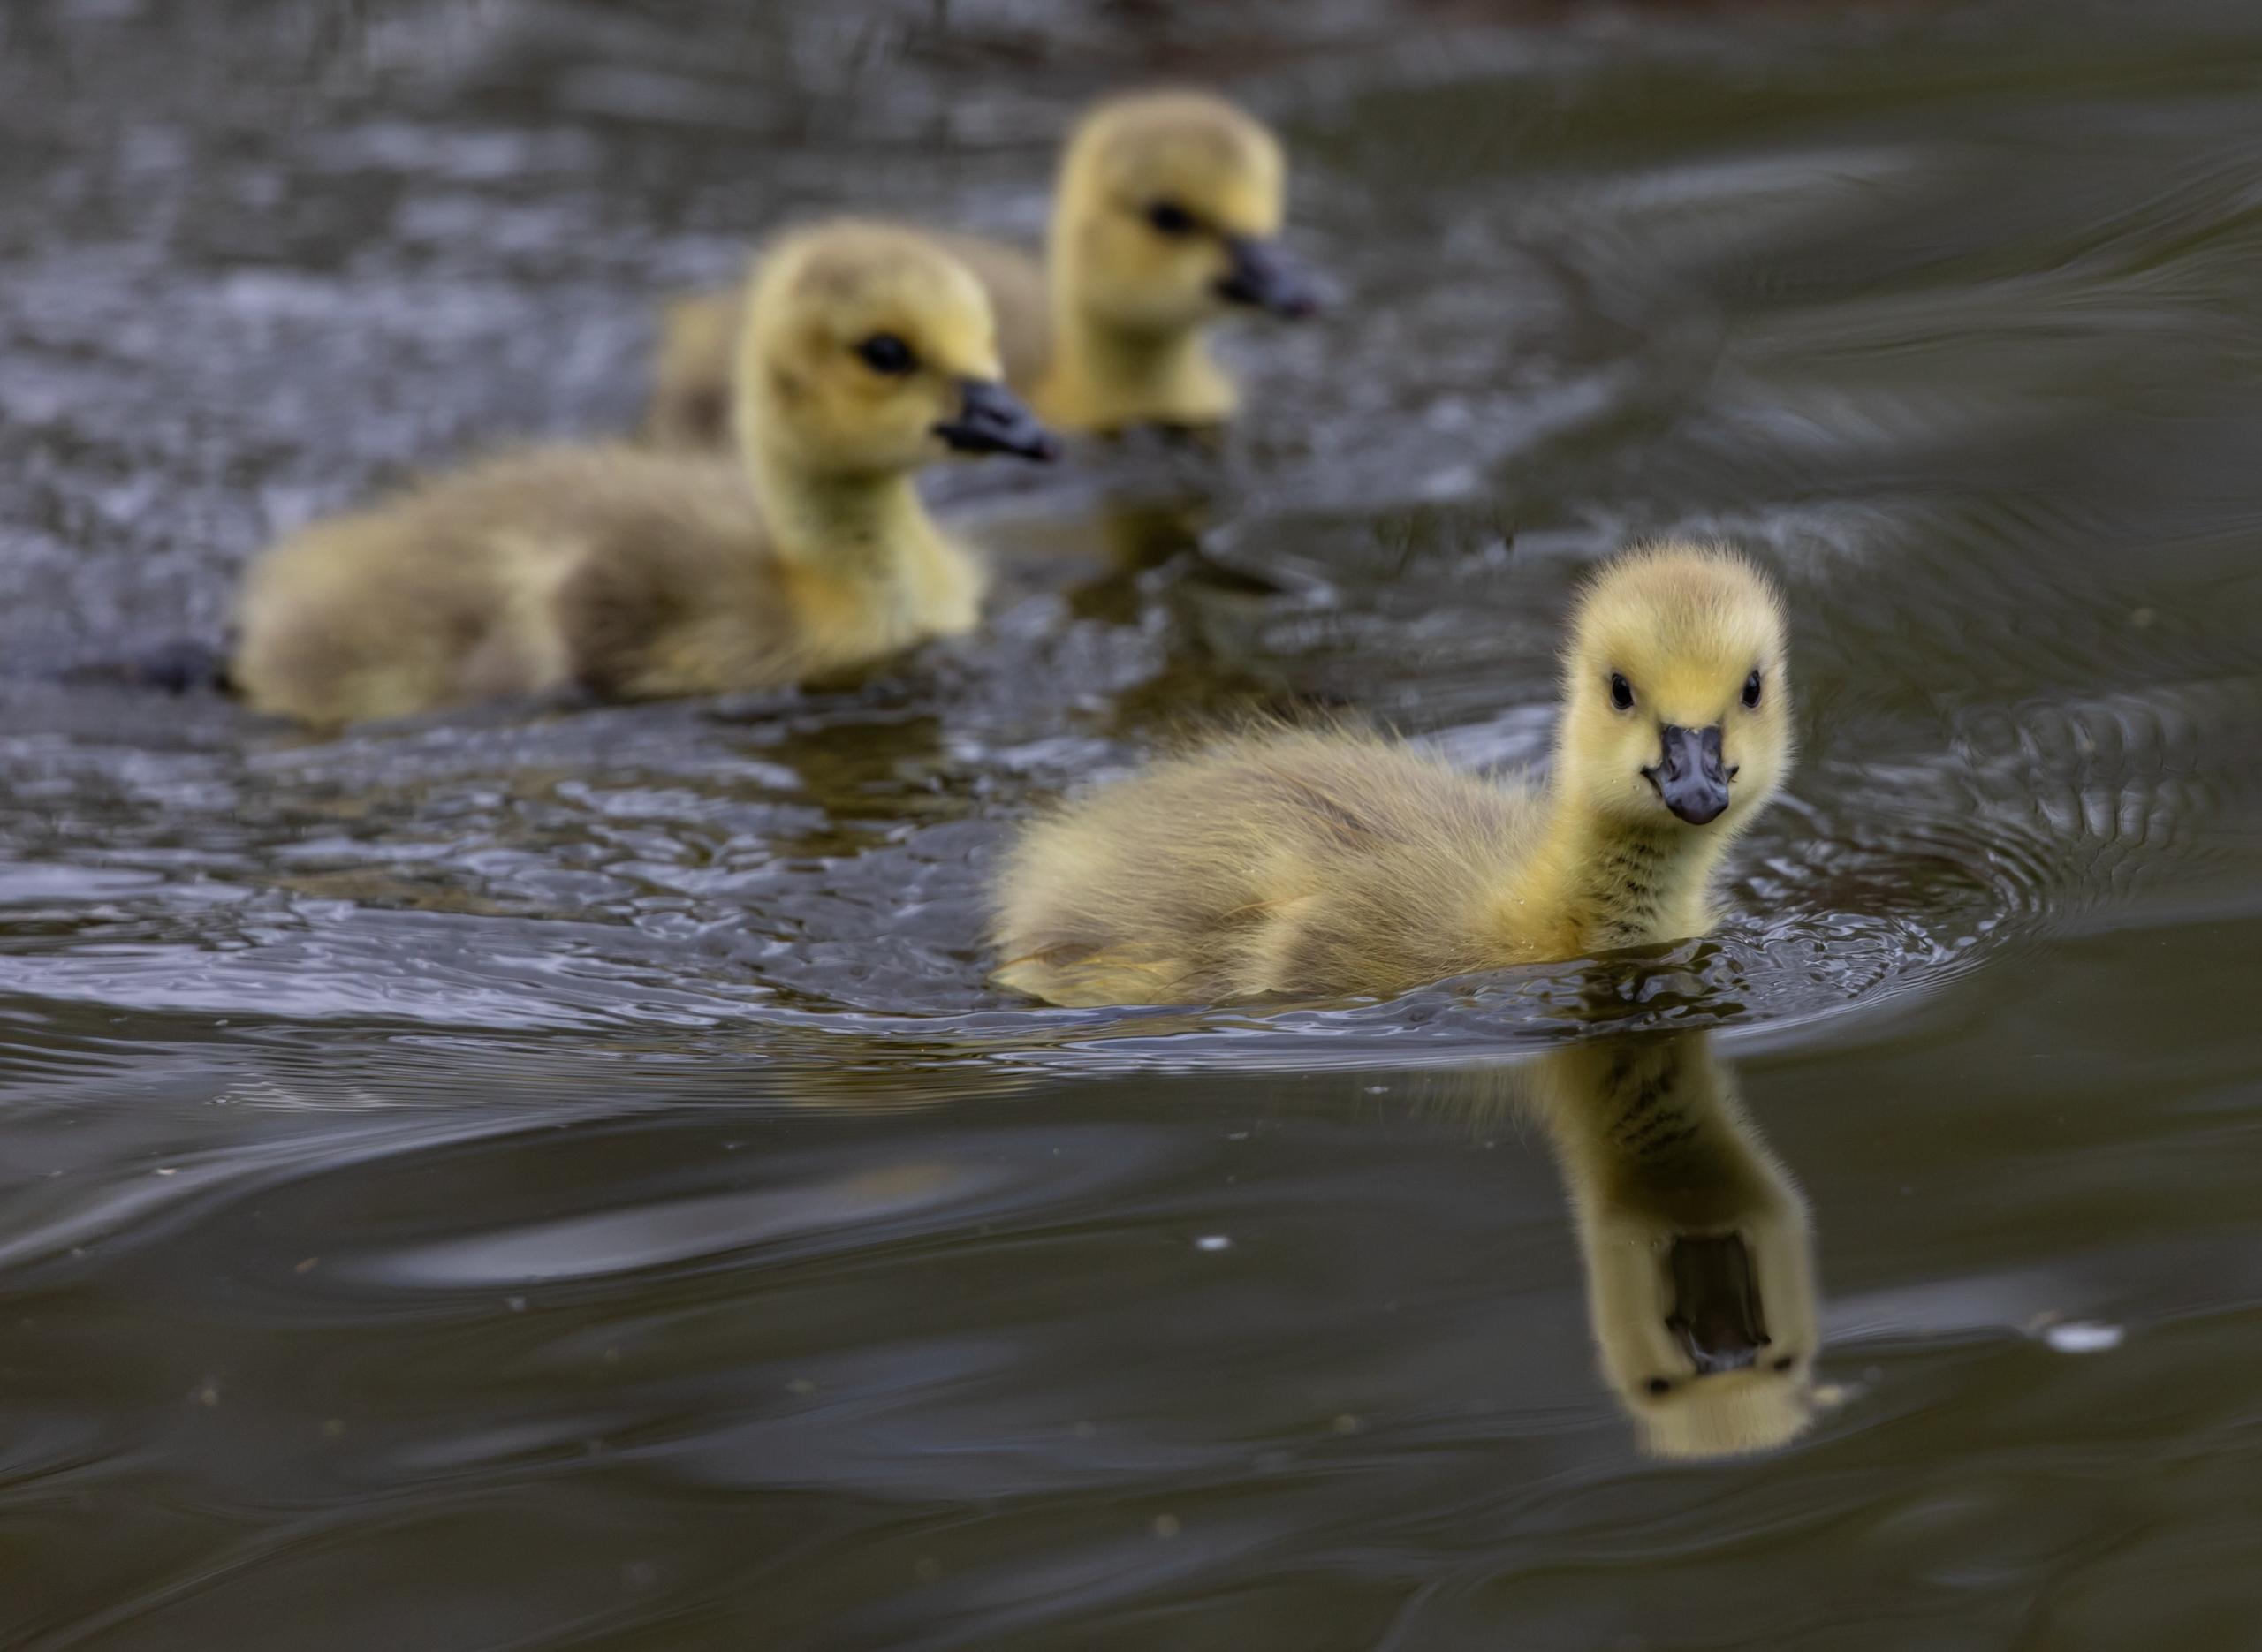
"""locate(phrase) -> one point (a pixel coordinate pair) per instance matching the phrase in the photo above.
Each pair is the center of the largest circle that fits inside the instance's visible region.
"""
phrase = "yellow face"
(1169, 208)
(868, 350)
(1677, 704)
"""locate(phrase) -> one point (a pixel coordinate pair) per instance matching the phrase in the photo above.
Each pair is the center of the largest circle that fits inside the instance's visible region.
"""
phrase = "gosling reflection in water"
(1698, 1257)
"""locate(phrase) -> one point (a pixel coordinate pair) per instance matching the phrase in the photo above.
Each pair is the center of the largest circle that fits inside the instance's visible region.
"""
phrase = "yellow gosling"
(1166, 219)
(1328, 864)
(866, 354)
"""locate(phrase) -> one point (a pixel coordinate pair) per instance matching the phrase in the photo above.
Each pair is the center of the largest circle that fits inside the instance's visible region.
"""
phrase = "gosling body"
(1167, 212)
(629, 574)
(633, 573)
(1328, 864)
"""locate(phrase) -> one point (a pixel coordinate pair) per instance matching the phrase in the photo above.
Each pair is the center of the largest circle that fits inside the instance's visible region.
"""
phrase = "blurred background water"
(560, 1180)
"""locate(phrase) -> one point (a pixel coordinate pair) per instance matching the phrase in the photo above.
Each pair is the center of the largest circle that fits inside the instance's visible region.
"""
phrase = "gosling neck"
(860, 525)
(1631, 881)
(1104, 376)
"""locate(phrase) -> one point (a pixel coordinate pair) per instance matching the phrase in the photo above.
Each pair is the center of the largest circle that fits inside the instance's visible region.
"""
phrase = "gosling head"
(1169, 215)
(1677, 704)
(870, 350)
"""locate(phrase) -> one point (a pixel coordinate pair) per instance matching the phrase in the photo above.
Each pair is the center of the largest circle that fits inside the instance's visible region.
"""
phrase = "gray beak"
(1689, 775)
(1267, 278)
(991, 419)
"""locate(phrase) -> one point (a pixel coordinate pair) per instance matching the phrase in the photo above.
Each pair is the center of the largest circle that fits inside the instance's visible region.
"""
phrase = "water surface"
(559, 1177)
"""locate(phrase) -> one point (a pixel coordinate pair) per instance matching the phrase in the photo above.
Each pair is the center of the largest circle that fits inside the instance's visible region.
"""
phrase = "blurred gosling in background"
(867, 353)
(1166, 219)
(1699, 1256)
(1328, 864)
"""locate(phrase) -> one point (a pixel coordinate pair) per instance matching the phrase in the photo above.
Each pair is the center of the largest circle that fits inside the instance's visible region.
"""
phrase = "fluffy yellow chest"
(1593, 886)
(1101, 381)
(933, 590)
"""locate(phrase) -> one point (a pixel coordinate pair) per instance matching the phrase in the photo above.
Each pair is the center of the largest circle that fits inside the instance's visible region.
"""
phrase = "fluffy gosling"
(1329, 864)
(866, 353)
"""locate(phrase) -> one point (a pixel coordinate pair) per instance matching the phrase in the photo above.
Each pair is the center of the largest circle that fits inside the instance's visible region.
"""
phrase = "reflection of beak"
(1717, 1315)
(1268, 278)
(990, 420)
(1688, 774)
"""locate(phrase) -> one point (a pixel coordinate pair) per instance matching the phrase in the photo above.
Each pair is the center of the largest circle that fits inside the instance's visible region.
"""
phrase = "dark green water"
(560, 1180)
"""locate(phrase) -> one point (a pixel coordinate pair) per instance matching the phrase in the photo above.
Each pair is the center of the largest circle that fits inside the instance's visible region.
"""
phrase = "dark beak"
(1716, 1316)
(1688, 776)
(1268, 278)
(992, 421)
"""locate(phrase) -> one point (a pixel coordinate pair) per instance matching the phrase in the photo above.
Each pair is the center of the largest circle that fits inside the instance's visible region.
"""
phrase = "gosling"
(1166, 219)
(867, 353)
(1332, 864)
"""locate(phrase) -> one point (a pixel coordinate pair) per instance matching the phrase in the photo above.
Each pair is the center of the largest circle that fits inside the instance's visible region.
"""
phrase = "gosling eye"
(1751, 691)
(1659, 1385)
(1171, 218)
(885, 353)
(1622, 692)
(1786, 1362)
